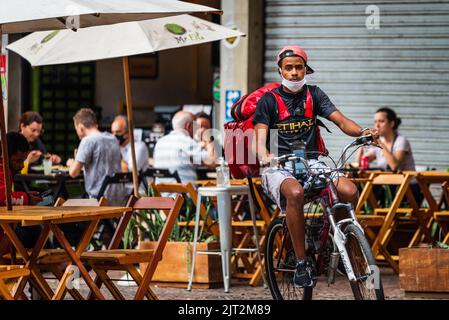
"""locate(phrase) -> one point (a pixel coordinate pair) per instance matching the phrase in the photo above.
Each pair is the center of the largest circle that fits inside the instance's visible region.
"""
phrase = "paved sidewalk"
(240, 290)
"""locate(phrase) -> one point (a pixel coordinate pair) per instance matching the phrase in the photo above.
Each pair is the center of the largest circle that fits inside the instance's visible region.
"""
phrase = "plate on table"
(54, 168)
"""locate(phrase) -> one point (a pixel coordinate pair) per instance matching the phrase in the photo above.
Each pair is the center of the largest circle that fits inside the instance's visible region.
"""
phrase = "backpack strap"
(282, 108)
(309, 105)
(310, 97)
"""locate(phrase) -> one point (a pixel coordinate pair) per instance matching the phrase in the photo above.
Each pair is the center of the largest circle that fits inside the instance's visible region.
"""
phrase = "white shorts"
(272, 179)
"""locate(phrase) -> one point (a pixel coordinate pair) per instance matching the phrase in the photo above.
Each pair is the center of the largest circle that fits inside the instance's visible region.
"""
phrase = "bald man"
(119, 128)
(179, 151)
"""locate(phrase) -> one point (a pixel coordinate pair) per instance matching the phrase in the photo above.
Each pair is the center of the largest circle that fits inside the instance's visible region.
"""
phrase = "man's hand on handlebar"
(372, 132)
(267, 160)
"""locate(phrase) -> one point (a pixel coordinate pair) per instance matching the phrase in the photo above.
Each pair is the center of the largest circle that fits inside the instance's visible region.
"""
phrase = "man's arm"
(74, 167)
(260, 142)
(211, 158)
(348, 126)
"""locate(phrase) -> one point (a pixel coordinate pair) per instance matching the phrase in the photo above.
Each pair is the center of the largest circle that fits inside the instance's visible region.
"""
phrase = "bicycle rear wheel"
(280, 264)
(368, 285)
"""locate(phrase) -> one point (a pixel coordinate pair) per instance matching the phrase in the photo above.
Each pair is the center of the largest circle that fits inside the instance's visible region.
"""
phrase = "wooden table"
(427, 178)
(50, 217)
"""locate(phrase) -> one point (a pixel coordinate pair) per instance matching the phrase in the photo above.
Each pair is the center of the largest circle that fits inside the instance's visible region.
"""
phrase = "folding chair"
(442, 216)
(190, 191)
(8, 273)
(51, 259)
(243, 232)
(125, 259)
(387, 219)
(157, 173)
(122, 178)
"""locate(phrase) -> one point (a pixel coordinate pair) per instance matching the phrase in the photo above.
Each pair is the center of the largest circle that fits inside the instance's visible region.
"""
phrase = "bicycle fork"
(339, 240)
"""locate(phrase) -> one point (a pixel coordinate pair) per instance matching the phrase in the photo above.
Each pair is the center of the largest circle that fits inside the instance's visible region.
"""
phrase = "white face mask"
(293, 86)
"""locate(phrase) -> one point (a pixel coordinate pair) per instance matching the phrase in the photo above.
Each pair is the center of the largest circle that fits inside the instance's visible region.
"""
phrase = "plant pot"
(174, 268)
(424, 269)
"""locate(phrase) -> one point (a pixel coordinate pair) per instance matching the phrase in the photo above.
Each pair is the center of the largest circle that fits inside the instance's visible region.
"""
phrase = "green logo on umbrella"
(175, 29)
(50, 36)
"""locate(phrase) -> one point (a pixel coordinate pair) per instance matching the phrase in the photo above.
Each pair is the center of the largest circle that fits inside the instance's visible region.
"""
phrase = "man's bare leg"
(347, 192)
(294, 194)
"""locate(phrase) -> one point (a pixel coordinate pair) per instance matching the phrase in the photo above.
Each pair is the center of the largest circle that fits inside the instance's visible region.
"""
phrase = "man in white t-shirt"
(179, 151)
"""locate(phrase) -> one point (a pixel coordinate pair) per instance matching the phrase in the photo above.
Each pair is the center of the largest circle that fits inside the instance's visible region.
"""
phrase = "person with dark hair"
(202, 134)
(30, 126)
(396, 153)
(18, 149)
(99, 155)
(292, 109)
(119, 128)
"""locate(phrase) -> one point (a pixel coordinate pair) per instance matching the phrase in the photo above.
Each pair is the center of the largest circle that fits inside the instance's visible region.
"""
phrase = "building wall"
(403, 64)
(184, 77)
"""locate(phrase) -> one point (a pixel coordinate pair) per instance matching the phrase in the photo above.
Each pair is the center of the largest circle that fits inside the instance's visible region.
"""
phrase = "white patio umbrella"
(17, 16)
(27, 16)
(119, 40)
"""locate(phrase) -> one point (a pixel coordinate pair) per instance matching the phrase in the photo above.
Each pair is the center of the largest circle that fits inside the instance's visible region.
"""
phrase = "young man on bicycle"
(298, 124)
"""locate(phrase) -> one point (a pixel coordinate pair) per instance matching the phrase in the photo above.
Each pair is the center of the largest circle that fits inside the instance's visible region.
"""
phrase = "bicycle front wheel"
(280, 264)
(368, 285)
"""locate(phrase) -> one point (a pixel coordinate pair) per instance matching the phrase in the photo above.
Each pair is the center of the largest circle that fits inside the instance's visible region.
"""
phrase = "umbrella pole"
(129, 112)
(4, 145)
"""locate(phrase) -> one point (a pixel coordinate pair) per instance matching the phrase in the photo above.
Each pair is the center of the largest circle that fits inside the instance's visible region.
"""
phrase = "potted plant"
(175, 266)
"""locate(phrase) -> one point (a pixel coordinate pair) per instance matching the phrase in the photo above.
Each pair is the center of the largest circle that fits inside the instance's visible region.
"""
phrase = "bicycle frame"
(329, 200)
(326, 237)
(338, 237)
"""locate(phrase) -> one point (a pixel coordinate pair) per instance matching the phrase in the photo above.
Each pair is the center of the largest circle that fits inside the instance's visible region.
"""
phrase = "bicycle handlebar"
(363, 140)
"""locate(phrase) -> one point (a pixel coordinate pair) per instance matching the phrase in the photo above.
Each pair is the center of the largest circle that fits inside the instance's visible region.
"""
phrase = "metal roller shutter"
(404, 64)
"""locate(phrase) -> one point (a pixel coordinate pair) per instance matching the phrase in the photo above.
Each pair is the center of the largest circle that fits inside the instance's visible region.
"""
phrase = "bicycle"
(332, 246)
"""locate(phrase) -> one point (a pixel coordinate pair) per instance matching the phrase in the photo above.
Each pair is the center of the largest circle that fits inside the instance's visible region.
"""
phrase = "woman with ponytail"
(396, 153)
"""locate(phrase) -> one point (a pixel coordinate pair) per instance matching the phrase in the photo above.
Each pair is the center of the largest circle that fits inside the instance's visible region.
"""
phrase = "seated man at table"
(99, 155)
(179, 151)
(18, 150)
(119, 129)
(30, 126)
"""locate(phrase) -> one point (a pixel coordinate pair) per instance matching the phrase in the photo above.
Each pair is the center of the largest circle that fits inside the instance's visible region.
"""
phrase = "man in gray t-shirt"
(99, 154)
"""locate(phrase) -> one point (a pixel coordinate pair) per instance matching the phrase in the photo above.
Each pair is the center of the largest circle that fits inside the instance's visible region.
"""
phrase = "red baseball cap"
(290, 51)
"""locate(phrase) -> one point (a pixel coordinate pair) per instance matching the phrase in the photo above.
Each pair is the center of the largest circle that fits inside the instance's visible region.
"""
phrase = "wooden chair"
(123, 259)
(120, 178)
(188, 190)
(53, 260)
(8, 273)
(442, 216)
(243, 233)
(386, 220)
(158, 173)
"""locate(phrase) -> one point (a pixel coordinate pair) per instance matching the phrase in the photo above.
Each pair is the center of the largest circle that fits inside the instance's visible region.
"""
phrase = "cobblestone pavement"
(240, 290)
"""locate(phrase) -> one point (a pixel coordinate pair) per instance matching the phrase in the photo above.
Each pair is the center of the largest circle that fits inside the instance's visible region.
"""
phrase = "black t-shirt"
(38, 145)
(295, 127)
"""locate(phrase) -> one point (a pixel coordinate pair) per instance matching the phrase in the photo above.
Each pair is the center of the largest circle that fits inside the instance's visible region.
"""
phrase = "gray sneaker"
(303, 276)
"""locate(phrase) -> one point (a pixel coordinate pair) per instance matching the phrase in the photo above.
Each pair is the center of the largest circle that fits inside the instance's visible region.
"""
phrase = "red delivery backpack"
(238, 144)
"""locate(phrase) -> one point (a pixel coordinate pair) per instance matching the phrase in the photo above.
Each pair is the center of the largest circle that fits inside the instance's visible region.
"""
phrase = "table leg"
(75, 257)
(225, 224)
(4, 243)
(195, 239)
(256, 234)
(30, 260)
